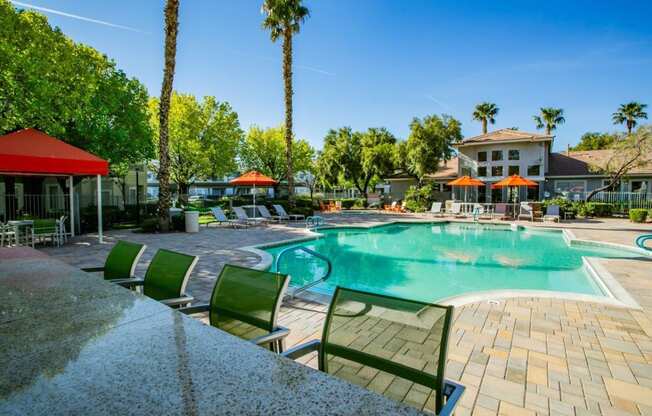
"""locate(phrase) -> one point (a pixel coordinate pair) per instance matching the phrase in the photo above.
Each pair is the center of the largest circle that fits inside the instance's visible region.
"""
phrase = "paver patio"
(515, 356)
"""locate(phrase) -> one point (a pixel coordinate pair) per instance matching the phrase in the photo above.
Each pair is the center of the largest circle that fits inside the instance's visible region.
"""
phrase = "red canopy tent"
(32, 152)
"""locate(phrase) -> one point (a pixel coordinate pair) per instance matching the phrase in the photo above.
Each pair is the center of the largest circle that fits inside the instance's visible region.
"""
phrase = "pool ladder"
(313, 283)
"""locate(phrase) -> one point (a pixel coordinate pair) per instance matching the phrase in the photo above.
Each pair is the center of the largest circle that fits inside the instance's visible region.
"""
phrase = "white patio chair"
(242, 216)
(282, 213)
(526, 211)
(221, 218)
(435, 209)
(264, 212)
(552, 213)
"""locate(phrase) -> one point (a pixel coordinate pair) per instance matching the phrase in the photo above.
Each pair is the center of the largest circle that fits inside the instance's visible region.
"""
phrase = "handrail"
(313, 253)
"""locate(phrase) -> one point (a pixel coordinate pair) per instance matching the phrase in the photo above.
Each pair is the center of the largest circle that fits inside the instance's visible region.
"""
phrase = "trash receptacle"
(192, 221)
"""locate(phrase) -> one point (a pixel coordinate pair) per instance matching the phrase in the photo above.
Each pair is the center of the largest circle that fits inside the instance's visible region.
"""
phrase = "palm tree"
(628, 113)
(283, 19)
(485, 112)
(171, 30)
(550, 118)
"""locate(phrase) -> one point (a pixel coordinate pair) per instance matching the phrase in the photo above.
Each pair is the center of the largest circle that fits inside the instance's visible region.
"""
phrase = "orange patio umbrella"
(466, 181)
(253, 178)
(514, 181)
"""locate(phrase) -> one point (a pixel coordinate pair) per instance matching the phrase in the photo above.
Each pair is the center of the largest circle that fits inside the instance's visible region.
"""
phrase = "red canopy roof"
(30, 151)
(253, 178)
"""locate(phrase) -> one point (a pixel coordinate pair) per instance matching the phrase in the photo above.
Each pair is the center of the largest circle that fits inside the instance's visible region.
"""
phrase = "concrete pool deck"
(515, 355)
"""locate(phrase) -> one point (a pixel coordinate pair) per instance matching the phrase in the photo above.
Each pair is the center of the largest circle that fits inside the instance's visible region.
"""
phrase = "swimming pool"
(430, 262)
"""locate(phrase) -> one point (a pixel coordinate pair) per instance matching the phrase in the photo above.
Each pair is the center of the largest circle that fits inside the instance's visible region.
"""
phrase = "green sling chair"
(245, 303)
(392, 346)
(166, 278)
(121, 261)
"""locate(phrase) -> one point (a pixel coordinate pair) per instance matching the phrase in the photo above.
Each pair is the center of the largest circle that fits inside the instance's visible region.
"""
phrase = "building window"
(638, 186)
(482, 156)
(565, 187)
(513, 170)
(497, 155)
(466, 171)
(534, 170)
(482, 171)
(513, 155)
(496, 171)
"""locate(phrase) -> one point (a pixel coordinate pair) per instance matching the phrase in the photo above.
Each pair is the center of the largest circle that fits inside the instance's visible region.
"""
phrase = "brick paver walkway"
(517, 356)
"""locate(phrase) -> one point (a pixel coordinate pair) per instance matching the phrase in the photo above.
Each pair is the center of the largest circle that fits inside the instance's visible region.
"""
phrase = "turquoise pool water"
(429, 262)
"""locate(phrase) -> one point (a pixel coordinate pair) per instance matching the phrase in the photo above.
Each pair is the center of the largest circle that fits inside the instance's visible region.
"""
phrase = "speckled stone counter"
(71, 343)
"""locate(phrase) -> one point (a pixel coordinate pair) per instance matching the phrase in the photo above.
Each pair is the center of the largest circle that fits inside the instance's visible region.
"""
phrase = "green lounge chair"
(245, 303)
(166, 278)
(376, 341)
(121, 261)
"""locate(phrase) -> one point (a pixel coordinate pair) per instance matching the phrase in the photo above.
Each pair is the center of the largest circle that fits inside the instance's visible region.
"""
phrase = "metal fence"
(624, 200)
(14, 207)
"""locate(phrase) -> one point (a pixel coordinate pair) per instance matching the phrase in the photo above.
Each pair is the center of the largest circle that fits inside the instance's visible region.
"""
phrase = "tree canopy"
(69, 90)
(429, 144)
(596, 141)
(485, 113)
(358, 157)
(628, 114)
(549, 119)
(203, 138)
(264, 150)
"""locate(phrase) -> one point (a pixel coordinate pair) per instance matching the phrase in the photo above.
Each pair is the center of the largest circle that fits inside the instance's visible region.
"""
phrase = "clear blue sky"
(369, 63)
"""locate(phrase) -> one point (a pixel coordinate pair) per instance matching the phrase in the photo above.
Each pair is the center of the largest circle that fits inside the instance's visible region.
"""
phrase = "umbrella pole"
(255, 200)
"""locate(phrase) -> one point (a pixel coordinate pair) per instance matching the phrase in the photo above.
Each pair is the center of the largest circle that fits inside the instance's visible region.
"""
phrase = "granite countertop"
(71, 343)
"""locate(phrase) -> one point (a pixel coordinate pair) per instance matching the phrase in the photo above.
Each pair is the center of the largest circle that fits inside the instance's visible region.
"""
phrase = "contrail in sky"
(74, 16)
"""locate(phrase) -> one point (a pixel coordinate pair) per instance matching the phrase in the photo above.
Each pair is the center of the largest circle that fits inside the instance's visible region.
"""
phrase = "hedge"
(637, 215)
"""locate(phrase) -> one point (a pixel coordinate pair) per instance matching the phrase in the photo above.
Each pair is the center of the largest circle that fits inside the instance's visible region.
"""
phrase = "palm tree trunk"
(548, 129)
(629, 127)
(171, 30)
(287, 78)
(484, 126)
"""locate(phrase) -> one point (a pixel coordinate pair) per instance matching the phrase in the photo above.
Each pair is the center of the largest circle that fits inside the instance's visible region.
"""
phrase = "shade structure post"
(99, 209)
(255, 201)
(71, 190)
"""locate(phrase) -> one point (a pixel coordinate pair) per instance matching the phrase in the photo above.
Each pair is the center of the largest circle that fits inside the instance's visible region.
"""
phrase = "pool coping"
(615, 294)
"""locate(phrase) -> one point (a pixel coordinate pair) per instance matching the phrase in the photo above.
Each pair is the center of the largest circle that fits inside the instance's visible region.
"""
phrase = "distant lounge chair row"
(246, 302)
(243, 220)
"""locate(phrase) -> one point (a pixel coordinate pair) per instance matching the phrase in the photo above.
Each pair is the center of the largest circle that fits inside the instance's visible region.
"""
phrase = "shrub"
(419, 199)
(347, 203)
(637, 215)
(149, 225)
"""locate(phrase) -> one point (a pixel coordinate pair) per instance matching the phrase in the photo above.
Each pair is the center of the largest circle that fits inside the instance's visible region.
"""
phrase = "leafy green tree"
(549, 118)
(202, 140)
(429, 144)
(596, 141)
(485, 113)
(171, 32)
(358, 157)
(264, 150)
(629, 113)
(69, 90)
(283, 18)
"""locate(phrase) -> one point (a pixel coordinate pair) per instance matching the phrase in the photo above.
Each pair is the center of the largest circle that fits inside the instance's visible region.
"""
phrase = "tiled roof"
(505, 135)
(446, 170)
(583, 163)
